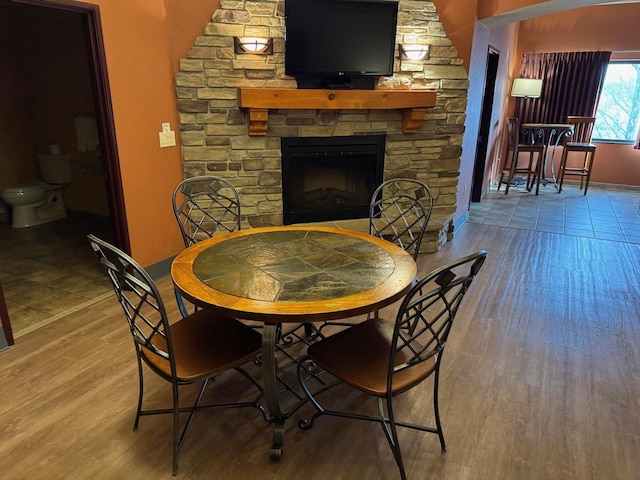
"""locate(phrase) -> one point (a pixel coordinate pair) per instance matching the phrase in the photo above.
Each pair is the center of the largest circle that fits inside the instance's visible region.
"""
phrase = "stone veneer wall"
(214, 132)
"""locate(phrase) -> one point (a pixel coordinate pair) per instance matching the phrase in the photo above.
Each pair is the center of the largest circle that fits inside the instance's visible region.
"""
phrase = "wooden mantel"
(258, 101)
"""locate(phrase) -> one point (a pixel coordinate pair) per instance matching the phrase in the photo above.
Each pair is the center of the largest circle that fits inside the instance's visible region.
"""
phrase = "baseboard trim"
(160, 269)
(3, 341)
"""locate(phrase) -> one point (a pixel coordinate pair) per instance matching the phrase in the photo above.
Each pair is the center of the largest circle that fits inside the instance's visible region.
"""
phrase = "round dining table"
(549, 135)
(291, 274)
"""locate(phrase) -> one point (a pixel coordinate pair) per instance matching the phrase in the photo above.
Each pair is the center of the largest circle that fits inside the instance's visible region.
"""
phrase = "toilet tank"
(55, 169)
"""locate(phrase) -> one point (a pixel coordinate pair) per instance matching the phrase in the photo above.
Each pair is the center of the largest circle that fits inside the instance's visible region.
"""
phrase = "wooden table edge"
(291, 312)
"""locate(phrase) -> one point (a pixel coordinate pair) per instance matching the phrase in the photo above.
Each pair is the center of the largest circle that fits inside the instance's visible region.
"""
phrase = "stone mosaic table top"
(289, 273)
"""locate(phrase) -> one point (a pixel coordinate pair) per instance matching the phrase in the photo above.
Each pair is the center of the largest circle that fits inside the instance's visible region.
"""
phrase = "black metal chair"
(205, 206)
(194, 349)
(383, 358)
(399, 212)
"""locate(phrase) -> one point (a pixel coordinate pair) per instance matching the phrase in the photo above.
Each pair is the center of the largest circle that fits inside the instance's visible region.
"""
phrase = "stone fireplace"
(214, 129)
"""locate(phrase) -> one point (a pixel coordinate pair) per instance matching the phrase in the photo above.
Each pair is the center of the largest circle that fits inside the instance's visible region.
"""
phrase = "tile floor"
(48, 270)
(604, 213)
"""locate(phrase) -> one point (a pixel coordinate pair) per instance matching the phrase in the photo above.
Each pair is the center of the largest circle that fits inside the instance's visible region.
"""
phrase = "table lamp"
(526, 87)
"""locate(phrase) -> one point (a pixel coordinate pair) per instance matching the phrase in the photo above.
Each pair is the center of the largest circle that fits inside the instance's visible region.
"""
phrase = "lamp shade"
(526, 87)
(414, 52)
(255, 45)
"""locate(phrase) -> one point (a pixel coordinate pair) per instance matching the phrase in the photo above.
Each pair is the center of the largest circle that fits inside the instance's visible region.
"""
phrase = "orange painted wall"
(458, 19)
(144, 40)
(606, 27)
(610, 27)
(142, 52)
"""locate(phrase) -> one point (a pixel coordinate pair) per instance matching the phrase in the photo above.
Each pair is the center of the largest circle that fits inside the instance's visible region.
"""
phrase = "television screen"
(335, 38)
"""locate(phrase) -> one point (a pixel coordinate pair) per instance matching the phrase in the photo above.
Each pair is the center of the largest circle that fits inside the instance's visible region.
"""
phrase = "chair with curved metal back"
(399, 212)
(383, 358)
(579, 142)
(203, 207)
(209, 205)
(511, 156)
(193, 349)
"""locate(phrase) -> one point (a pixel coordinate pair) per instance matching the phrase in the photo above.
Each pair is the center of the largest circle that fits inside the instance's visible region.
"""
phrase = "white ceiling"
(544, 8)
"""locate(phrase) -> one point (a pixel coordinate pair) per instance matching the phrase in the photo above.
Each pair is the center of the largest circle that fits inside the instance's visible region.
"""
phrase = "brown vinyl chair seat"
(384, 358)
(195, 348)
(360, 358)
(193, 338)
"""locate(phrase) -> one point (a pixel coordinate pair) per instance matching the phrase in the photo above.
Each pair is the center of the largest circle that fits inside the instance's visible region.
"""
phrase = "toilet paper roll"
(54, 149)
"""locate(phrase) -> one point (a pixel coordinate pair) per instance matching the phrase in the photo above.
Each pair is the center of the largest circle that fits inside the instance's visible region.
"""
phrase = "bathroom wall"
(46, 85)
(17, 150)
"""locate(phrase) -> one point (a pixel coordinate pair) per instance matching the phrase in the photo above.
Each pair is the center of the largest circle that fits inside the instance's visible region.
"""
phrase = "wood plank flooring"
(541, 380)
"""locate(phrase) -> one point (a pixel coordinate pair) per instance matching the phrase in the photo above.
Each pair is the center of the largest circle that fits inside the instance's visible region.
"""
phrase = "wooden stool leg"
(563, 164)
(530, 170)
(591, 156)
(512, 169)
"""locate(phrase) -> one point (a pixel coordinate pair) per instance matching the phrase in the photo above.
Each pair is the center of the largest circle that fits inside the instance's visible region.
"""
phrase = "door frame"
(105, 124)
(488, 95)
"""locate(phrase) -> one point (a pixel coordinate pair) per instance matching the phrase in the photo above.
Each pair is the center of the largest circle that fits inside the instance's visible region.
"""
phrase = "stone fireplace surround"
(214, 130)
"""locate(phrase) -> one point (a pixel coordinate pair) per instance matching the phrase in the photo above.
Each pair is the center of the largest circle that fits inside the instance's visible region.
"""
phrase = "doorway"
(477, 183)
(44, 92)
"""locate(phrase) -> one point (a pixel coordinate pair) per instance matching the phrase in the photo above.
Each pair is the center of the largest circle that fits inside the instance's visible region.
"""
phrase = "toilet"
(38, 202)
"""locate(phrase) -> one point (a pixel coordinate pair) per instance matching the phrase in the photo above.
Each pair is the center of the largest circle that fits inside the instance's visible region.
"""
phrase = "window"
(618, 112)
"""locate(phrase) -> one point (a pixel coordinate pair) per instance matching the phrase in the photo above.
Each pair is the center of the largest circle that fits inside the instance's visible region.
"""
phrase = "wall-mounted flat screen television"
(339, 43)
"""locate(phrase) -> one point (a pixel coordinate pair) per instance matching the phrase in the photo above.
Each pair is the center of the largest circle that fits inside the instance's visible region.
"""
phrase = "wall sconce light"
(526, 88)
(253, 45)
(414, 52)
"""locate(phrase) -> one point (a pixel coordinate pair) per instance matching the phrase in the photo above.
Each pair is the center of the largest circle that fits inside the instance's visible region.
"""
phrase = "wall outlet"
(167, 139)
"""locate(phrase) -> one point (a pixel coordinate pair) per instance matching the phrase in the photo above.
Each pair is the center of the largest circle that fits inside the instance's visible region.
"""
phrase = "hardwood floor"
(540, 380)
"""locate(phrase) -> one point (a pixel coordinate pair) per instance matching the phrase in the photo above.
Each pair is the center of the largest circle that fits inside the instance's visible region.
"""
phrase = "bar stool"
(580, 142)
(512, 150)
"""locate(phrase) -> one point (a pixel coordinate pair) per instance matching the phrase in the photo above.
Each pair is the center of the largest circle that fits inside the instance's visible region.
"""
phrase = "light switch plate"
(167, 139)
(166, 127)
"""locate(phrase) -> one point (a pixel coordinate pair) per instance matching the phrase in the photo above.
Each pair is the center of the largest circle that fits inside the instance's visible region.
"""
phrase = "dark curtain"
(572, 82)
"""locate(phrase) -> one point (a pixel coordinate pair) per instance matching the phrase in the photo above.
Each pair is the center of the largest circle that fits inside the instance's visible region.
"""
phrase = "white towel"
(86, 133)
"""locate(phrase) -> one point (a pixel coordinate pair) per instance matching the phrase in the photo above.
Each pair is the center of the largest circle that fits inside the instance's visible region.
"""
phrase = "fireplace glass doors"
(330, 178)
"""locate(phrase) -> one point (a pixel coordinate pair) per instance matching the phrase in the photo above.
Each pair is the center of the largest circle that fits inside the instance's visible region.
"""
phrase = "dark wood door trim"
(4, 318)
(106, 127)
(491, 70)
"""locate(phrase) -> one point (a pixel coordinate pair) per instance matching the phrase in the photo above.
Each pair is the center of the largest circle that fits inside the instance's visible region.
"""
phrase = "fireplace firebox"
(330, 178)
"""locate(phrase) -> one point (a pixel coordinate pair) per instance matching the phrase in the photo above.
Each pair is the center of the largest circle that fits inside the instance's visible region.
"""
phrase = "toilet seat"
(26, 187)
